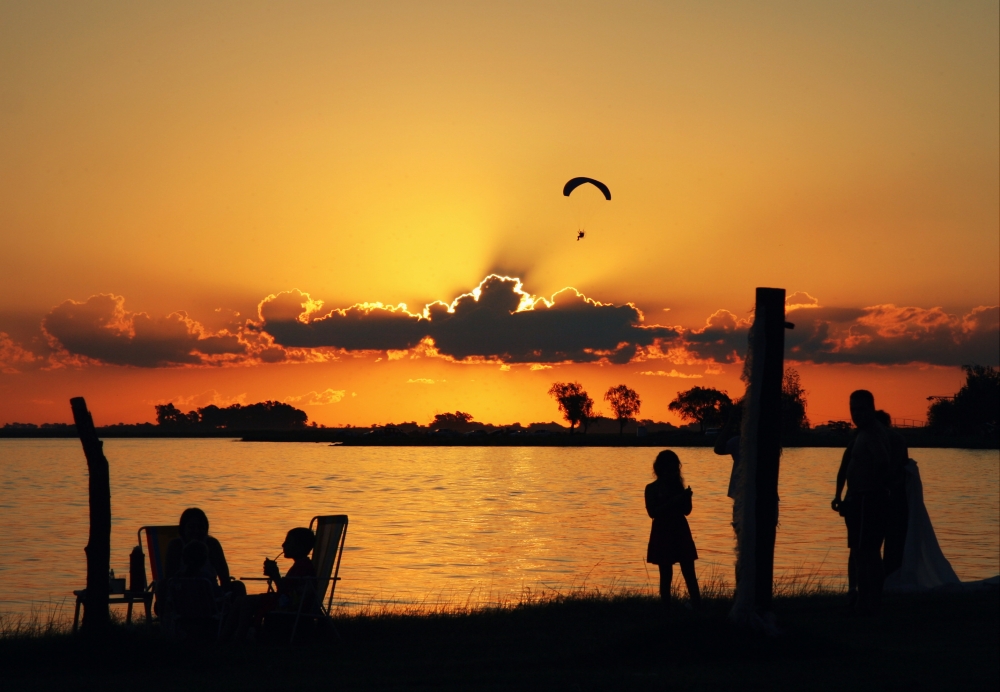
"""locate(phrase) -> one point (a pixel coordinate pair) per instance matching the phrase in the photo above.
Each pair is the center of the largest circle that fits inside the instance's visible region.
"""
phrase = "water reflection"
(447, 524)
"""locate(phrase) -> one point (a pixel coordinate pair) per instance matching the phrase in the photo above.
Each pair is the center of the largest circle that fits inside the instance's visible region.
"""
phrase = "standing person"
(668, 503)
(728, 443)
(897, 511)
(866, 467)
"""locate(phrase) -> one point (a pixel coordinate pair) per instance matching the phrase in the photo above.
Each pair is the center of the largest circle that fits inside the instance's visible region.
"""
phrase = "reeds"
(54, 619)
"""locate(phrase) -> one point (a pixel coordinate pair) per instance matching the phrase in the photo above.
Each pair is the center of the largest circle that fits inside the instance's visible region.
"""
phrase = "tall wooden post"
(755, 511)
(771, 311)
(96, 617)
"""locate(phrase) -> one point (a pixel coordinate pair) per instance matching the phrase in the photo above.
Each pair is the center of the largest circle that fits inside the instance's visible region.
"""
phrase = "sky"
(357, 208)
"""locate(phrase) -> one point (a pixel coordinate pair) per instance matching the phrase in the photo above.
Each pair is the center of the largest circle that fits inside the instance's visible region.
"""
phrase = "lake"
(446, 525)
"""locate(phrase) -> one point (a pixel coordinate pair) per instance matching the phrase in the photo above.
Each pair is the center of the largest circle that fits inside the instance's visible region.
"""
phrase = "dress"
(670, 538)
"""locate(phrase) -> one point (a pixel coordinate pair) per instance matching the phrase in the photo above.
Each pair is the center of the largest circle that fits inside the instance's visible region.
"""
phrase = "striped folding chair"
(157, 540)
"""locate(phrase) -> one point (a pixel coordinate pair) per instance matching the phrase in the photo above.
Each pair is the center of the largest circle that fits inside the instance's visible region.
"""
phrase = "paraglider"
(585, 204)
(577, 182)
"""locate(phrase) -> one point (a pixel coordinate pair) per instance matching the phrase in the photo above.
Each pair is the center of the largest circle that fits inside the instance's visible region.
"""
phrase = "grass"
(573, 641)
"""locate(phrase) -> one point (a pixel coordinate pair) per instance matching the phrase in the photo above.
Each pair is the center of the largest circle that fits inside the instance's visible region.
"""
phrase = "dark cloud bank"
(500, 322)
(496, 322)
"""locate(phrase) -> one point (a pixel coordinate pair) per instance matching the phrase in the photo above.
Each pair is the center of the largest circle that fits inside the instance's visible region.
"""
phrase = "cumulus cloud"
(891, 335)
(423, 380)
(314, 398)
(101, 329)
(723, 339)
(496, 322)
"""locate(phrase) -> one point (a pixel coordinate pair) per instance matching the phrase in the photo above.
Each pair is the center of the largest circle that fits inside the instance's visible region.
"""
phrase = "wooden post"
(96, 617)
(771, 311)
(755, 510)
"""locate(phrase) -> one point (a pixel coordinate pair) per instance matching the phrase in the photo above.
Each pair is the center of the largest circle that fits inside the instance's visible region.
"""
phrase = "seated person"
(194, 527)
(195, 565)
(193, 594)
(298, 544)
(290, 589)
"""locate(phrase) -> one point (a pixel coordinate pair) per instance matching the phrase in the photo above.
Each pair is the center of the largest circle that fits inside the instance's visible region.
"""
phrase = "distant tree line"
(973, 410)
(265, 415)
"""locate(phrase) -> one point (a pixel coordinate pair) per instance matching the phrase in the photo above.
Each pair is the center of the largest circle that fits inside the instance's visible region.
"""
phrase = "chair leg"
(128, 613)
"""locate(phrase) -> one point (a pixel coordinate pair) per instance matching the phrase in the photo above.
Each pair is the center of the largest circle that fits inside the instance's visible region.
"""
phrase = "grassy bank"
(918, 642)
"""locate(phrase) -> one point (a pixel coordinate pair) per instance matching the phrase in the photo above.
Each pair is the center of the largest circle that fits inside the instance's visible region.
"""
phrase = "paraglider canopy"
(577, 182)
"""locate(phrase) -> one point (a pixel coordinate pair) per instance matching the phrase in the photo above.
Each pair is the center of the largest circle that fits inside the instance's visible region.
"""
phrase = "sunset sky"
(232, 202)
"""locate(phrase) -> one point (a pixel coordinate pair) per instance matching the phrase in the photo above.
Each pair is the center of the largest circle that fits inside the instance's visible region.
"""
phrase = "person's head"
(298, 543)
(194, 524)
(884, 418)
(194, 556)
(667, 467)
(862, 408)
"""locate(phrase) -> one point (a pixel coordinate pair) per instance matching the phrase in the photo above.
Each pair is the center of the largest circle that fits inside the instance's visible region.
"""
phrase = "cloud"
(423, 380)
(800, 299)
(723, 339)
(13, 358)
(102, 330)
(672, 373)
(496, 322)
(327, 396)
(892, 335)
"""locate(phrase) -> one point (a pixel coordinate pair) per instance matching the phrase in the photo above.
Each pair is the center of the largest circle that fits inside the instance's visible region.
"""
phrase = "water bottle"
(137, 570)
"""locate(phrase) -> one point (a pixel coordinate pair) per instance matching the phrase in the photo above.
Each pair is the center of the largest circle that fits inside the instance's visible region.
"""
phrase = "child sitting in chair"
(290, 589)
(298, 544)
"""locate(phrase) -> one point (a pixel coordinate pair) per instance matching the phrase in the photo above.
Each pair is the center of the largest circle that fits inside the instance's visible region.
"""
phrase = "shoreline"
(366, 437)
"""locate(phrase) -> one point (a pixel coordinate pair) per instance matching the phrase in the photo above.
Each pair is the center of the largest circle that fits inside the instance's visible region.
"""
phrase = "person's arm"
(653, 504)
(218, 559)
(842, 476)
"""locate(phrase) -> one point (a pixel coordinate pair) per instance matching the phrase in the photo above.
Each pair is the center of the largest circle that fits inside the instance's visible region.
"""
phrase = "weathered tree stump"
(755, 511)
(96, 615)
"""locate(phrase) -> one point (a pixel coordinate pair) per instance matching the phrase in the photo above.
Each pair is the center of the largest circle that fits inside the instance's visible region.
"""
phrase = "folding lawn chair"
(331, 532)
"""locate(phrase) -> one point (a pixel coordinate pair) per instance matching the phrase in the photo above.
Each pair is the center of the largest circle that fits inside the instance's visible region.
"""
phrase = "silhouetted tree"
(703, 405)
(574, 402)
(265, 415)
(169, 416)
(625, 404)
(457, 419)
(793, 403)
(975, 409)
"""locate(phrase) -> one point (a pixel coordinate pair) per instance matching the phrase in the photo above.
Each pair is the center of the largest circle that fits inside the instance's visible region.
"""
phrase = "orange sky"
(201, 159)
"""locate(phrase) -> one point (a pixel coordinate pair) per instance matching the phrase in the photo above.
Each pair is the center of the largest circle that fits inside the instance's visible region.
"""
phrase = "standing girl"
(668, 502)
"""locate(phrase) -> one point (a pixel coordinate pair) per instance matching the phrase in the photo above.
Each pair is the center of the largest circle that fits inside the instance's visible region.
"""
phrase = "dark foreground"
(927, 642)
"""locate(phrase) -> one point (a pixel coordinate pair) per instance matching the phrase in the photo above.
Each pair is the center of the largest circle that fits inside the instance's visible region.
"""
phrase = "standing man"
(866, 468)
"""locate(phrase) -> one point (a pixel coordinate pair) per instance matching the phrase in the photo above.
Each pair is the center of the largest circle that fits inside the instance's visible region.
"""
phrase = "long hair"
(192, 514)
(667, 467)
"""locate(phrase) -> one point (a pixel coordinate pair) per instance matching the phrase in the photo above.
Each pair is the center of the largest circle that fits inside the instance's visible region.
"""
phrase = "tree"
(265, 415)
(975, 409)
(169, 416)
(703, 405)
(457, 419)
(625, 404)
(793, 403)
(574, 402)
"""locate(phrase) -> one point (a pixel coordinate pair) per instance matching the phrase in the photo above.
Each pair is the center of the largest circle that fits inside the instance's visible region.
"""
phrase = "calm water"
(455, 525)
